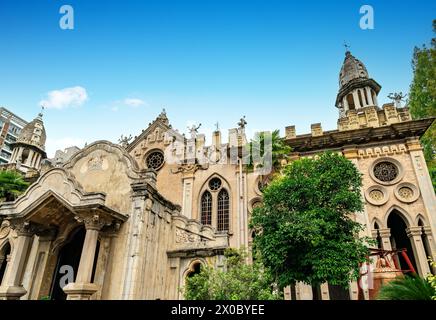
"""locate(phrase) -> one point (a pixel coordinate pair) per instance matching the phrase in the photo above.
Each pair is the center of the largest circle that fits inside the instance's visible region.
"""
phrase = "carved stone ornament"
(94, 222)
(185, 237)
(376, 195)
(4, 229)
(190, 168)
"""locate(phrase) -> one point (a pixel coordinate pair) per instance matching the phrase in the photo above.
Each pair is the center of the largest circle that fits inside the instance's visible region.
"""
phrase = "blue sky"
(277, 62)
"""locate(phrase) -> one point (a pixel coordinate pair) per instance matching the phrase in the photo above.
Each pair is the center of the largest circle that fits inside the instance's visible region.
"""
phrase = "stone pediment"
(57, 193)
(155, 133)
(191, 235)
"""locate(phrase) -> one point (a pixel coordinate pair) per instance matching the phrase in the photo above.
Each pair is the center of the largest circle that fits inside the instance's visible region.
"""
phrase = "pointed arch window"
(223, 210)
(206, 208)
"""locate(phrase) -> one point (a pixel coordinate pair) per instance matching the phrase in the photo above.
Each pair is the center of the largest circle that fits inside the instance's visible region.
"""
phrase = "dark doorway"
(338, 293)
(399, 239)
(69, 255)
(6, 250)
(316, 293)
(195, 270)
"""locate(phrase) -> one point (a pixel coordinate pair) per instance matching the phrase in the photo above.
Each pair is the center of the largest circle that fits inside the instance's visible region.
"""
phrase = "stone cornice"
(336, 139)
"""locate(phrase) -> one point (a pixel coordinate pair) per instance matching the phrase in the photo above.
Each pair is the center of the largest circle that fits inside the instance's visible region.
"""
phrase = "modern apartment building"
(10, 128)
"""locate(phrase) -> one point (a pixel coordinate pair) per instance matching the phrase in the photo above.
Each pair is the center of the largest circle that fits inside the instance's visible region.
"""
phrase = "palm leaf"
(407, 288)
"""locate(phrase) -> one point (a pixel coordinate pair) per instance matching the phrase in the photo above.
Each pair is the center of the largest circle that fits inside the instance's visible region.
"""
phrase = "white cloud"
(63, 98)
(52, 145)
(133, 102)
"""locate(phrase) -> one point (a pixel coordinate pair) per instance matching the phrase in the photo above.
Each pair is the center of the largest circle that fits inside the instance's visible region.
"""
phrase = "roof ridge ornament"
(397, 98)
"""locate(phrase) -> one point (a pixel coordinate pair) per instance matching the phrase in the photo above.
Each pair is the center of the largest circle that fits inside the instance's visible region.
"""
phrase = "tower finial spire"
(347, 47)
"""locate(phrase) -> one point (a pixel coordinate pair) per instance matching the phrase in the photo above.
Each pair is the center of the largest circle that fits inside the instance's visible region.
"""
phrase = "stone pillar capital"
(414, 231)
(427, 230)
(25, 228)
(93, 222)
(385, 233)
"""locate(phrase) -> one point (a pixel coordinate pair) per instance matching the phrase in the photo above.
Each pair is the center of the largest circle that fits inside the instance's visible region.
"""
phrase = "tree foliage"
(422, 98)
(407, 288)
(303, 229)
(238, 281)
(11, 185)
(278, 152)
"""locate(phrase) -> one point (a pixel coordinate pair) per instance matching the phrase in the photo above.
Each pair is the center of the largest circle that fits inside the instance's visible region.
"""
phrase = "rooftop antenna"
(217, 125)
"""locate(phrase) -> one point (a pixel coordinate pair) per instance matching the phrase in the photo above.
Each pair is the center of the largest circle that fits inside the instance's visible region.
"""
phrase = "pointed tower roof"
(34, 134)
(352, 69)
(354, 75)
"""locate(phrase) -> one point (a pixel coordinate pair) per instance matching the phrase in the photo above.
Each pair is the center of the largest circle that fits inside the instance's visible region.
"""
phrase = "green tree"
(11, 185)
(407, 288)
(238, 281)
(279, 152)
(304, 231)
(422, 98)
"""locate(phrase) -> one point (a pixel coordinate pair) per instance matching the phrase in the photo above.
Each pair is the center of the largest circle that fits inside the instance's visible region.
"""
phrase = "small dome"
(34, 133)
(352, 69)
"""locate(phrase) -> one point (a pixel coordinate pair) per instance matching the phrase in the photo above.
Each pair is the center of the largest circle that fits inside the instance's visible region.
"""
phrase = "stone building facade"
(132, 221)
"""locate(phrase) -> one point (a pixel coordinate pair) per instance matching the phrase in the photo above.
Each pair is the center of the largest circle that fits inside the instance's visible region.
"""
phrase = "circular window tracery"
(215, 184)
(386, 171)
(155, 160)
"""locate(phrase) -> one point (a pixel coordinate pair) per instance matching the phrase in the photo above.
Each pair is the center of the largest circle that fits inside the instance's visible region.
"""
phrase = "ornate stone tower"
(356, 89)
(29, 149)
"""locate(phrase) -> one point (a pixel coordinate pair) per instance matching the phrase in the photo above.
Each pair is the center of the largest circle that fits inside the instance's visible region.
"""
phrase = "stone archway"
(68, 261)
(399, 238)
(4, 254)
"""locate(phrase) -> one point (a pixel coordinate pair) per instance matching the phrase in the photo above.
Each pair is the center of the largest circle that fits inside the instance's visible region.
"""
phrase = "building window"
(360, 97)
(215, 184)
(215, 205)
(155, 160)
(223, 210)
(385, 171)
(206, 208)
(350, 101)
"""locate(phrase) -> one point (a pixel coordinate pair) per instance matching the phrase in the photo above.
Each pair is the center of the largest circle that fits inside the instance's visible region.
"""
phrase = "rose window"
(155, 160)
(405, 192)
(214, 184)
(385, 171)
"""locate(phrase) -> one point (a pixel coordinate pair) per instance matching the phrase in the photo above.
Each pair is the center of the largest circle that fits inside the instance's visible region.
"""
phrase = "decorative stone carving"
(95, 163)
(386, 171)
(182, 236)
(376, 195)
(94, 222)
(155, 160)
(4, 229)
(406, 192)
(190, 168)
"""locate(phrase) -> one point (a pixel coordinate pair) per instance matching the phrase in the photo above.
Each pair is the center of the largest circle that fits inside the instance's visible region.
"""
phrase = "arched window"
(360, 97)
(223, 210)
(4, 253)
(206, 208)
(350, 101)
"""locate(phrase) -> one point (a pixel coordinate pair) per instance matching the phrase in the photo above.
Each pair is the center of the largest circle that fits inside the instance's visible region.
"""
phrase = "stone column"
(29, 158)
(12, 288)
(82, 288)
(325, 294)
(356, 100)
(18, 155)
(424, 180)
(414, 233)
(188, 186)
(368, 94)
(431, 247)
(385, 235)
